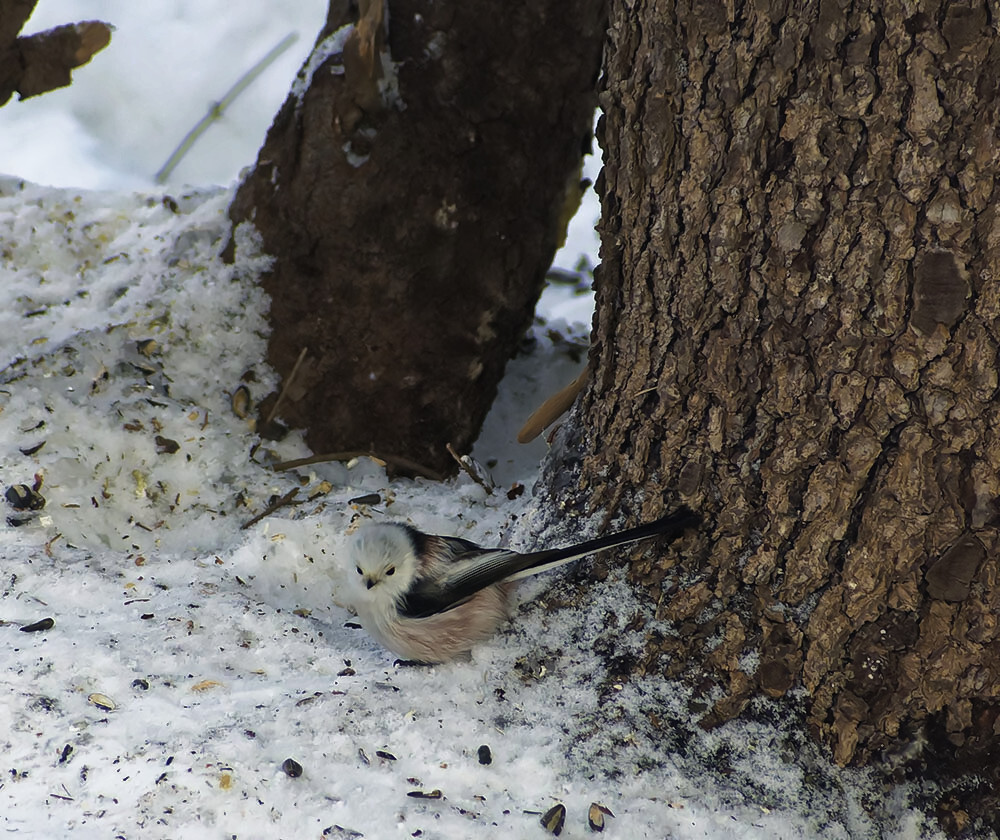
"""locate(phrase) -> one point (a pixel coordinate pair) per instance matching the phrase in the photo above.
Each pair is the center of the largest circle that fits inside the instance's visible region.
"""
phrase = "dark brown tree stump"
(410, 193)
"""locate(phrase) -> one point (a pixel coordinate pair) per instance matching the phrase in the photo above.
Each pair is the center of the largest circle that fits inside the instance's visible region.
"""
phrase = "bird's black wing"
(470, 573)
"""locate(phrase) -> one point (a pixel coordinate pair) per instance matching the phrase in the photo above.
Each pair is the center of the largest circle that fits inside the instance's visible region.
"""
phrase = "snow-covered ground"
(189, 658)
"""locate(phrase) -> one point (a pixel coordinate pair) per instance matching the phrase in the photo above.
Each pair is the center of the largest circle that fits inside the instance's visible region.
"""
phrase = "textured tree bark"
(38, 63)
(797, 334)
(411, 196)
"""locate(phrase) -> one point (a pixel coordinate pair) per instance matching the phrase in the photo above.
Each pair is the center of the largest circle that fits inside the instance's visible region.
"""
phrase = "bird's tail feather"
(485, 568)
(671, 525)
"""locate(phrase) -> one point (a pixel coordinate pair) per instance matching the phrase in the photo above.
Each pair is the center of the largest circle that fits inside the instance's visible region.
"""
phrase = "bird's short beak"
(369, 582)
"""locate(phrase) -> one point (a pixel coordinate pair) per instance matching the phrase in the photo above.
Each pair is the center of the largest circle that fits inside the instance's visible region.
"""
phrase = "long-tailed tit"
(430, 598)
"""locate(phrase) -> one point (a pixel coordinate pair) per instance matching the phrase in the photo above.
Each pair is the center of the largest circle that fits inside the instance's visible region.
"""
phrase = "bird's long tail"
(672, 525)
(480, 568)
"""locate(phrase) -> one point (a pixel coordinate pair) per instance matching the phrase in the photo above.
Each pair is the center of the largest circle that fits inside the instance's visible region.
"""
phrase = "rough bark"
(35, 64)
(412, 233)
(797, 334)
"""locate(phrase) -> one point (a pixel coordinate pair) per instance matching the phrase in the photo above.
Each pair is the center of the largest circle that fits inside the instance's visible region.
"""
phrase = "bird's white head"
(382, 562)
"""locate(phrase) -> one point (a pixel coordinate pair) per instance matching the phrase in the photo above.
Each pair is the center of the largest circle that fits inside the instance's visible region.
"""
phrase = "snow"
(190, 657)
(166, 66)
(331, 45)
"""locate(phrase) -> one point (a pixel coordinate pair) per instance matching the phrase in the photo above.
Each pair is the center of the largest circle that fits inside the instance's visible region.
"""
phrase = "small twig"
(216, 110)
(552, 409)
(394, 460)
(48, 546)
(466, 463)
(288, 384)
(68, 797)
(271, 508)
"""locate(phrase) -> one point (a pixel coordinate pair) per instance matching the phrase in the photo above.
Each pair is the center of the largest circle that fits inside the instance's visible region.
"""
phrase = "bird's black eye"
(359, 570)
(391, 570)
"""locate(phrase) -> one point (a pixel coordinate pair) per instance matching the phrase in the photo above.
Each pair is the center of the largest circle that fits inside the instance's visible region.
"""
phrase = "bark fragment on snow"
(34, 64)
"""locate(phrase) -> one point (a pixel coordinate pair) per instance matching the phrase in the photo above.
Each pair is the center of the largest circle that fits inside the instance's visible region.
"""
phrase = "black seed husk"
(44, 624)
(23, 497)
(425, 794)
(367, 499)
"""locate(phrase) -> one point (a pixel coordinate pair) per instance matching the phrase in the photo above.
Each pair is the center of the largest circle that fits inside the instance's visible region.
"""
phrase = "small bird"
(430, 598)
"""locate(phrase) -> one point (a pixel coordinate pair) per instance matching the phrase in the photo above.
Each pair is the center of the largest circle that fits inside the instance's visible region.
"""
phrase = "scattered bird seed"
(102, 701)
(143, 368)
(485, 755)
(23, 497)
(554, 819)
(292, 768)
(367, 499)
(41, 703)
(388, 756)
(140, 685)
(166, 446)
(340, 831)
(595, 816)
(322, 489)
(425, 794)
(44, 624)
(240, 401)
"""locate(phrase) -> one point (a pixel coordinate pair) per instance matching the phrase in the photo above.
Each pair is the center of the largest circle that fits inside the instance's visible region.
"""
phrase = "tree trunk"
(410, 194)
(797, 334)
